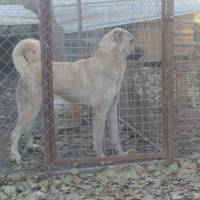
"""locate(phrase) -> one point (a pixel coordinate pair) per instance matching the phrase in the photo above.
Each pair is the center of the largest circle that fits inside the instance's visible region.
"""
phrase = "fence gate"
(70, 32)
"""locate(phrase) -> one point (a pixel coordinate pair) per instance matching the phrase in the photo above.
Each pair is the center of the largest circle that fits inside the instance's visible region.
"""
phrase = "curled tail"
(25, 53)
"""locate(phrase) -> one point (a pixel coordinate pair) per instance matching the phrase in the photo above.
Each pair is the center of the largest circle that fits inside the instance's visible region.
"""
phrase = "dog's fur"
(97, 80)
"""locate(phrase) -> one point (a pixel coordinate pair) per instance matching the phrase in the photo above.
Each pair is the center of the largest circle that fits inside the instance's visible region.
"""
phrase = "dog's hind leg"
(22, 125)
(29, 102)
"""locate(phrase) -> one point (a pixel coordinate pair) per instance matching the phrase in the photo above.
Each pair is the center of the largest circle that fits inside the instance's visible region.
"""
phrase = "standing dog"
(97, 80)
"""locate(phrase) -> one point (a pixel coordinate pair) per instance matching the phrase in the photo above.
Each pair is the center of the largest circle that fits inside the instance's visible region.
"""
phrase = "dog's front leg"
(114, 128)
(98, 132)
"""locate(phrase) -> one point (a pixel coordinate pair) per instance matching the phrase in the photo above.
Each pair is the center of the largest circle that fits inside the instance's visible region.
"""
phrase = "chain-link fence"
(103, 90)
(16, 23)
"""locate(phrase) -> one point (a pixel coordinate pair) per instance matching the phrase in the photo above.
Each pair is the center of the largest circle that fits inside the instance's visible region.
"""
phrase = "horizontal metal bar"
(188, 65)
(194, 114)
(114, 159)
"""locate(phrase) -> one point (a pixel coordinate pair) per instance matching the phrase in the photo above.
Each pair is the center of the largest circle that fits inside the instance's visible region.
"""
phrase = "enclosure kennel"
(158, 110)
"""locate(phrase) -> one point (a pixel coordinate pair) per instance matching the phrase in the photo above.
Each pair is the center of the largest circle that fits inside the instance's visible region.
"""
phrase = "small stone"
(198, 163)
(67, 179)
(131, 152)
(36, 196)
(149, 197)
(176, 196)
(3, 181)
(102, 163)
(141, 171)
(196, 195)
(151, 168)
(188, 168)
(76, 180)
(173, 168)
(9, 190)
(3, 196)
(44, 185)
(74, 171)
(157, 173)
(57, 183)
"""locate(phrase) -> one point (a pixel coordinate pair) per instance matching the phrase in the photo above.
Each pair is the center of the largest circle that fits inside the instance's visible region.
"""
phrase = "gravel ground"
(153, 181)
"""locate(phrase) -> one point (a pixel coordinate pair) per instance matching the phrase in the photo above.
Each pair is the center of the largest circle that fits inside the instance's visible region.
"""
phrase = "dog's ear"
(118, 35)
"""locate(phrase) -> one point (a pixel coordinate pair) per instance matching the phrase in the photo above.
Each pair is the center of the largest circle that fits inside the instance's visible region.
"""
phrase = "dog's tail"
(25, 53)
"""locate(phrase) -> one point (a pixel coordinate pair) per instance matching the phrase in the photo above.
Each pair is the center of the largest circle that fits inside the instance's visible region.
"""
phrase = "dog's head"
(119, 39)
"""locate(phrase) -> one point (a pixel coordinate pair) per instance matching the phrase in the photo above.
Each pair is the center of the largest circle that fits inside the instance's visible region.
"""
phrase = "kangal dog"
(97, 79)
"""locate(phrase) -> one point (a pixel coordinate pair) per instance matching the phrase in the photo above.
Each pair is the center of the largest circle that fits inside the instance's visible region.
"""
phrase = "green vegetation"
(3, 2)
(18, 30)
(197, 18)
(197, 28)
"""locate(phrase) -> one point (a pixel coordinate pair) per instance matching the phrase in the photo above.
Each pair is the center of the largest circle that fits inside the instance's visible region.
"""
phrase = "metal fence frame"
(45, 16)
(167, 96)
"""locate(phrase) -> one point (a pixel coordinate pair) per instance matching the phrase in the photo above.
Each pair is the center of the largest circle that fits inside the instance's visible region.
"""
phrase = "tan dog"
(96, 80)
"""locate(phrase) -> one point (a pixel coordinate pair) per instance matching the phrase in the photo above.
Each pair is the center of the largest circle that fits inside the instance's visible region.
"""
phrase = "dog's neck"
(112, 57)
(110, 52)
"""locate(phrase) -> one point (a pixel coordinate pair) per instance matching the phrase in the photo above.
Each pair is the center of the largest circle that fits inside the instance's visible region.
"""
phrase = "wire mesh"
(187, 84)
(147, 90)
(16, 24)
(139, 116)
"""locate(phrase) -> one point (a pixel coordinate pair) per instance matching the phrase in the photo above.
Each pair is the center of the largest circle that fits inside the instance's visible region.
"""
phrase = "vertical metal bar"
(164, 97)
(168, 78)
(171, 82)
(47, 78)
(80, 27)
(79, 14)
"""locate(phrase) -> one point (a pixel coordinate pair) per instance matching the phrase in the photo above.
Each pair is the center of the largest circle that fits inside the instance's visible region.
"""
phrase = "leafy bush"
(18, 30)
(7, 2)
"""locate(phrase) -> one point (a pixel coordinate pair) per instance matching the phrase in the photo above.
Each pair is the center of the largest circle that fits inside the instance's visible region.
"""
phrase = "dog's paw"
(33, 147)
(15, 157)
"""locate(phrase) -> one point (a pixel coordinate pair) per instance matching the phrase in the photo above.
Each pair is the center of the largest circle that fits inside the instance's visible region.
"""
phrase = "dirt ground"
(149, 181)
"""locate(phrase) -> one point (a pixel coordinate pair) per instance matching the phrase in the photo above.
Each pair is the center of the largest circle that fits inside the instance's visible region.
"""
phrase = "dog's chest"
(117, 77)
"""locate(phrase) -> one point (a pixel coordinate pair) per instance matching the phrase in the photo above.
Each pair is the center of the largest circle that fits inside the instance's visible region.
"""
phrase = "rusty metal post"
(79, 14)
(80, 27)
(47, 78)
(168, 79)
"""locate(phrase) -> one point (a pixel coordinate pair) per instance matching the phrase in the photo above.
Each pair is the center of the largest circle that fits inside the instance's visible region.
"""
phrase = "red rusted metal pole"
(47, 78)
(168, 79)
(80, 28)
